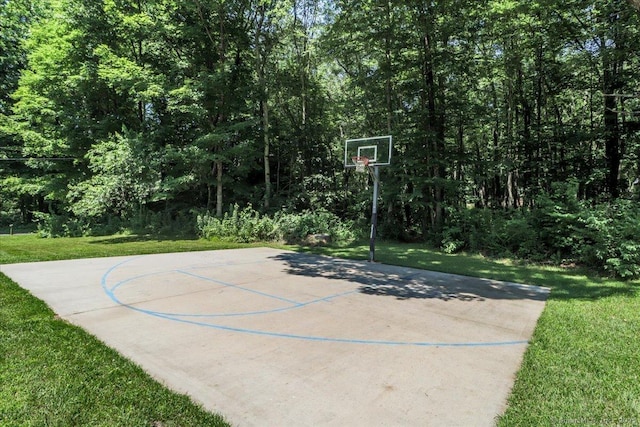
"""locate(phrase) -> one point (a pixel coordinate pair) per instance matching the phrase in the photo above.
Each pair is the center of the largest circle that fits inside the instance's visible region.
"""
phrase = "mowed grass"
(30, 247)
(54, 374)
(581, 368)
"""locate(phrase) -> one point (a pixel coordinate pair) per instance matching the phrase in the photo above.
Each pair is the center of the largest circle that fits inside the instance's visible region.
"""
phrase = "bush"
(51, 225)
(559, 228)
(247, 225)
(296, 227)
(142, 222)
(482, 230)
(240, 225)
(555, 220)
(610, 238)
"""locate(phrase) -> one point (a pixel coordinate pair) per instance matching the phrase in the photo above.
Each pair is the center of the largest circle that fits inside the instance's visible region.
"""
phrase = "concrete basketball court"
(269, 337)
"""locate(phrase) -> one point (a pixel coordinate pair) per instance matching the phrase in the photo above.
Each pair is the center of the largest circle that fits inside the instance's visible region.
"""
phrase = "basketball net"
(361, 163)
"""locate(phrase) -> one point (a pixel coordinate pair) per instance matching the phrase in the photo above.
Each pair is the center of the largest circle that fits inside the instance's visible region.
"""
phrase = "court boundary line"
(109, 292)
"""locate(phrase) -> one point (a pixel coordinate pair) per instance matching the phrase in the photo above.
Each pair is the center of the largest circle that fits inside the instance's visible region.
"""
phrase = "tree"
(16, 180)
(249, 101)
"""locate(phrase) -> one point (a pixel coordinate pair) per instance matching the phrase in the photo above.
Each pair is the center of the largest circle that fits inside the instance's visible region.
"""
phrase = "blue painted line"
(205, 315)
(131, 279)
(113, 297)
(213, 315)
(111, 291)
(248, 313)
(326, 339)
(242, 288)
(103, 281)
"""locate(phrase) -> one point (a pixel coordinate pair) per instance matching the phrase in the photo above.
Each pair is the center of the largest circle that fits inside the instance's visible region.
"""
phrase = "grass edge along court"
(581, 368)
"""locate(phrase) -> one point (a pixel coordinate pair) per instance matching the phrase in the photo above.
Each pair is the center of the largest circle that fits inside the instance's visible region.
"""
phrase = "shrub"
(239, 225)
(452, 240)
(554, 219)
(481, 230)
(51, 225)
(605, 237)
(247, 225)
(296, 227)
(610, 238)
(142, 222)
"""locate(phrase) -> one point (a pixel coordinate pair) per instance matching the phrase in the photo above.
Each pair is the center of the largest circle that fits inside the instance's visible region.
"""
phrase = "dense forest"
(516, 124)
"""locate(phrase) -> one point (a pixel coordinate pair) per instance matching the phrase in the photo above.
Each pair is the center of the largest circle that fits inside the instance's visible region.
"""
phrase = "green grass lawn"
(54, 374)
(29, 247)
(582, 367)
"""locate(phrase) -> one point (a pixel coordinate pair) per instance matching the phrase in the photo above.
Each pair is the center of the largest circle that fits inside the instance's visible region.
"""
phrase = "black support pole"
(374, 215)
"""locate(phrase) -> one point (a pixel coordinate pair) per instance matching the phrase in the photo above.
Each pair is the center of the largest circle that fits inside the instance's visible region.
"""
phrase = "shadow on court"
(407, 283)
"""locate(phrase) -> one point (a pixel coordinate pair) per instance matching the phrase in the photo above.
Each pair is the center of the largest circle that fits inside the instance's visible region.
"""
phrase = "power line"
(24, 159)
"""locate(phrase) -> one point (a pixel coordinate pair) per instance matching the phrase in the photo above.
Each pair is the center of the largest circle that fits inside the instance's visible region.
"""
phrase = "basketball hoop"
(361, 163)
(367, 155)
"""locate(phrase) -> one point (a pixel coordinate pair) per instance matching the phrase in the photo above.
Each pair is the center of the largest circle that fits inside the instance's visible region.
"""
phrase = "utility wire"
(24, 159)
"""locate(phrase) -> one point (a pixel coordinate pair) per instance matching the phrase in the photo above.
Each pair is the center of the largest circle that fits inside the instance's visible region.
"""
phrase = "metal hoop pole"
(374, 215)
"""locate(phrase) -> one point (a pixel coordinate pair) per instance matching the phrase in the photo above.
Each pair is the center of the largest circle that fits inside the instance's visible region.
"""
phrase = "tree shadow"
(565, 283)
(135, 238)
(405, 283)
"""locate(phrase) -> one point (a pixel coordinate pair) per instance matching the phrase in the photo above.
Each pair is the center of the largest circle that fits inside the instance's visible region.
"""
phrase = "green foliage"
(143, 221)
(239, 225)
(151, 110)
(51, 225)
(554, 218)
(16, 16)
(317, 191)
(495, 232)
(452, 241)
(296, 227)
(248, 225)
(605, 237)
(610, 238)
(123, 180)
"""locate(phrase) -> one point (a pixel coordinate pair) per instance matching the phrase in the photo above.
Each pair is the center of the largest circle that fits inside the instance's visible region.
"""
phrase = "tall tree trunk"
(388, 66)
(219, 189)
(434, 126)
(261, 58)
(611, 66)
(612, 134)
(267, 167)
